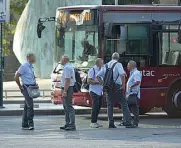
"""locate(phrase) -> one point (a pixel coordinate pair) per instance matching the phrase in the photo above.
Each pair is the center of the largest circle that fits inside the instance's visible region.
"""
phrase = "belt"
(29, 85)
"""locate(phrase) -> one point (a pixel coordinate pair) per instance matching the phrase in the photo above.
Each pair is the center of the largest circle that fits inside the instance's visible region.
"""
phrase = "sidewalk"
(40, 109)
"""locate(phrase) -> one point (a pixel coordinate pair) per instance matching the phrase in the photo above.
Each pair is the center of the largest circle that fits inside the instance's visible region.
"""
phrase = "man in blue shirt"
(117, 92)
(95, 90)
(133, 91)
(26, 73)
(67, 83)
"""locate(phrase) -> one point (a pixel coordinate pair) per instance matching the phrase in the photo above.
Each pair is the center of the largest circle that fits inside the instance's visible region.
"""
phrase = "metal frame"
(1, 65)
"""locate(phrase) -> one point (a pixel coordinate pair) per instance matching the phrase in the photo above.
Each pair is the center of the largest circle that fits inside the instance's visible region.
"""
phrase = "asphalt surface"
(154, 132)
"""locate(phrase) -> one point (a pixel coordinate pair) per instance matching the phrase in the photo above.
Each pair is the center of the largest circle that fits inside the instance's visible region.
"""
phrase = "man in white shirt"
(95, 90)
(67, 83)
(133, 91)
(117, 92)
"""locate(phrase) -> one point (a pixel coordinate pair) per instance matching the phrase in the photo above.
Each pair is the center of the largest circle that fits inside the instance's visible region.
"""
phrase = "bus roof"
(124, 7)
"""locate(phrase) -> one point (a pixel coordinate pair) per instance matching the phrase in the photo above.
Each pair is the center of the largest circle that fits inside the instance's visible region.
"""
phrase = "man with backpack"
(67, 85)
(112, 77)
(95, 90)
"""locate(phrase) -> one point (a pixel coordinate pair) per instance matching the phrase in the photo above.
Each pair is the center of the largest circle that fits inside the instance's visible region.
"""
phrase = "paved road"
(153, 133)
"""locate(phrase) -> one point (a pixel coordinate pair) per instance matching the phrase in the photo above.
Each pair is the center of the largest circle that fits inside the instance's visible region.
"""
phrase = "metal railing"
(17, 94)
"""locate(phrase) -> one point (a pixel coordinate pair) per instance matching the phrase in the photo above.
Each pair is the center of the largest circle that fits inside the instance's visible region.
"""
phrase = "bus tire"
(173, 100)
(144, 110)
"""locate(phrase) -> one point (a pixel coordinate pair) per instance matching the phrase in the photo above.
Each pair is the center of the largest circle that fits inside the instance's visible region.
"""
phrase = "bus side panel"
(149, 97)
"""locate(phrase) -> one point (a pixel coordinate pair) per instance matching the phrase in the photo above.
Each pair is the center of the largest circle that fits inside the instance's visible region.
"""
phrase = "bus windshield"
(78, 39)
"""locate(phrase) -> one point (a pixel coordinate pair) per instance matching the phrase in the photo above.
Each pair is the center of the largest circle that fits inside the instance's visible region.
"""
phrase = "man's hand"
(64, 94)
(21, 87)
(124, 89)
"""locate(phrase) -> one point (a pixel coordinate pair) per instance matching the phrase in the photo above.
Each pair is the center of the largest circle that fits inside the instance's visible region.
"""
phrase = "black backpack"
(108, 78)
(85, 85)
(78, 83)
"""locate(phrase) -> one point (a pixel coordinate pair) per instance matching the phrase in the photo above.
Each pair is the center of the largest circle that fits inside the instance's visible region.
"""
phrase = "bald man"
(67, 83)
(133, 91)
(95, 90)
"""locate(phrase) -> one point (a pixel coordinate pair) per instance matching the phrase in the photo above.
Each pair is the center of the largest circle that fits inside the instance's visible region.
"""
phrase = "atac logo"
(148, 73)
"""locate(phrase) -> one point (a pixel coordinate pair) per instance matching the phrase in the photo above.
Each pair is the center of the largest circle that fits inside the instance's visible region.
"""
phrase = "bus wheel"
(144, 110)
(173, 104)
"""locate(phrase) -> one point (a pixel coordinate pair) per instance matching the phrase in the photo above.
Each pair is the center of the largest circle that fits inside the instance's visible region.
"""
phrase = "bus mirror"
(108, 30)
(40, 28)
(179, 37)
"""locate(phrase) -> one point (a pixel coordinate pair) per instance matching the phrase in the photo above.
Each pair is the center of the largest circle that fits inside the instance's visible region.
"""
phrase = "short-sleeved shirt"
(135, 76)
(68, 72)
(27, 74)
(97, 89)
(118, 71)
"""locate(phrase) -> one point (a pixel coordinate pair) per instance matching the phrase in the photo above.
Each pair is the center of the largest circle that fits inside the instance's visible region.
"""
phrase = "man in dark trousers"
(26, 73)
(95, 90)
(67, 83)
(133, 91)
(117, 92)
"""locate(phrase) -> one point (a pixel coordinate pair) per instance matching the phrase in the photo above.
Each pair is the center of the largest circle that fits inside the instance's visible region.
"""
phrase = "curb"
(16, 101)
(47, 112)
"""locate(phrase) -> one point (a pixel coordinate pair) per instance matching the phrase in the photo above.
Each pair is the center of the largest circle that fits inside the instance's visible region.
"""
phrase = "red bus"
(149, 35)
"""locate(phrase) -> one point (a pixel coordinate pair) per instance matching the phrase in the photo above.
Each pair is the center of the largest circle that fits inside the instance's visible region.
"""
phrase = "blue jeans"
(118, 94)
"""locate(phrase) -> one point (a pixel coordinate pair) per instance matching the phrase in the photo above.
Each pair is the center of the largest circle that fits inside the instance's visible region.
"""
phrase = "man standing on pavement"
(67, 83)
(95, 90)
(117, 92)
(133, 90)
(26, 73)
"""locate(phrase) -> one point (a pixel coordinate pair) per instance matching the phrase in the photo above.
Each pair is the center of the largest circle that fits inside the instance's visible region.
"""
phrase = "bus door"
(169, 53)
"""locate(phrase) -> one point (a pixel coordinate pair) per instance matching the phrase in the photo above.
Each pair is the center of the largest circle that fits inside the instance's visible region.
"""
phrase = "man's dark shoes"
(70, 128)
(135, 124)
(112, 126)
(64, 127)
(25, 127)
(31, 128)
(130, 126)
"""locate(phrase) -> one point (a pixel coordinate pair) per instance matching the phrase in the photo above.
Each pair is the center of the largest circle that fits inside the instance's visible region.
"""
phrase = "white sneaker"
(99, 125)
(94, 125)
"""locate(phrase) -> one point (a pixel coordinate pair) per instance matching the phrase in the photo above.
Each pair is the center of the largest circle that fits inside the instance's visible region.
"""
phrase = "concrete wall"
(26, 40)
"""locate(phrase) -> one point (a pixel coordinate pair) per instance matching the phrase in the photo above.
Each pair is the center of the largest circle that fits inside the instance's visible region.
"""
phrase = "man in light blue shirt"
(26, 73)
(67, 83)
(133, 91)
(117, 92)
(95, 89)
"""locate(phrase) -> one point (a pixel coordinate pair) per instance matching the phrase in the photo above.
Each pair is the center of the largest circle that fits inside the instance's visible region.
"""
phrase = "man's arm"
(91, 81)
(137, 80)
(91, 74)
(68, 75)
(67, 85)
(122, 75)
(20, 72)
(100, 80)
(123, 79)
(100, 75)
(17, 76)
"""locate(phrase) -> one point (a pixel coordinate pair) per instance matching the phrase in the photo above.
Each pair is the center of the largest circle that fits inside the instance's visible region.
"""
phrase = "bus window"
(171, 50)
(131, 41)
